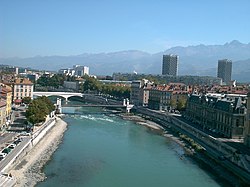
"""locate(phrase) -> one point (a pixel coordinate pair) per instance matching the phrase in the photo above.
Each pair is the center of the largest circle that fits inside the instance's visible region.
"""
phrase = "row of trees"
(92, 84)
(38, 109)
(54, 81)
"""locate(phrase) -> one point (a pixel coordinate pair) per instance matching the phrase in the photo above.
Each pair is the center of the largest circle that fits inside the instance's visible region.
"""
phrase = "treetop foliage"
(38, 109)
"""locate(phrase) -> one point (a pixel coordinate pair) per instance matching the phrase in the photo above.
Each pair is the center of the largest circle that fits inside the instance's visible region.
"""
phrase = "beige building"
(6, 94)
(222, 114)
(167, 97)
(2, 114)
(247, 123)
(22, 87)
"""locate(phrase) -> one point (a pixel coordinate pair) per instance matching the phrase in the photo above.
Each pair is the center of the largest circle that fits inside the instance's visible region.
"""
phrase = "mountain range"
(193, 60)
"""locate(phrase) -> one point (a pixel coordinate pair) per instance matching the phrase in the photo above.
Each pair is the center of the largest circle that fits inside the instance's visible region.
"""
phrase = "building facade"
(167, 97)
(170, 65)
(6, 94)
(2, 114)
(225, 70)
(221, 114)
(247, 123)
(22, 87)
(81, 70)
(77, 71)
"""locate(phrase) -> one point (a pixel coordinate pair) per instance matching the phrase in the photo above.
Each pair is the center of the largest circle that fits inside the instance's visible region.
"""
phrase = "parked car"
(17, 141)
(12, 146)
(3, 155)
(6, 150)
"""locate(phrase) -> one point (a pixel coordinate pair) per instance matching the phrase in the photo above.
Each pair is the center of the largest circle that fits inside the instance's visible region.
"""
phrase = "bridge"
(65, 95)
(95, 105)
(125, 105)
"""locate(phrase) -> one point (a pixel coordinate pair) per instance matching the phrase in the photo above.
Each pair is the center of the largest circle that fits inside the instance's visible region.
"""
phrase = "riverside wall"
(34, 139)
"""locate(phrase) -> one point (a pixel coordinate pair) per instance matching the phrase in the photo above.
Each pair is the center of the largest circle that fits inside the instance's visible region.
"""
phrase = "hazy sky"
(68, 27)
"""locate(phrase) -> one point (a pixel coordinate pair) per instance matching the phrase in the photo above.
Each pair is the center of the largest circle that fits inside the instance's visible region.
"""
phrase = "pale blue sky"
(68, 27)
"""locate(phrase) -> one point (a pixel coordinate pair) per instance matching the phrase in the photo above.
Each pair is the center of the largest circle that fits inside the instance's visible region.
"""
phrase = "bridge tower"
(128, 106)
(59, 105)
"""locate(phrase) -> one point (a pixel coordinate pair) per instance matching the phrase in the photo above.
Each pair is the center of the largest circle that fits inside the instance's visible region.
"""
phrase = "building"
(168, 97)
(2, 114)
(219, 113)
(139, 94)
(135, 89)
(225, 70)
(170, 65)
(81, 70)
(77, 71)
(247, 123)
(22, 87)
(6, 94)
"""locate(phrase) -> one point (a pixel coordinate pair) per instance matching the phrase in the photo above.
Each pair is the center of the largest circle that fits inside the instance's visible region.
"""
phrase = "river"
(101, 150)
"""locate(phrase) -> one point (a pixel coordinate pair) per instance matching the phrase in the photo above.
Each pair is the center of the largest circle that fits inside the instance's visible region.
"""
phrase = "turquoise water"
(106, 151)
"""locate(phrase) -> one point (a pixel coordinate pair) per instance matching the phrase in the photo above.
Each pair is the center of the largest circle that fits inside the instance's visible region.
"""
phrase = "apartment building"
(170, 65)
(247, 123)
(220, 113)
(6, 94)
(22, 87)
(167, 97)
(225, 70)
(139, 94)
(2, 114)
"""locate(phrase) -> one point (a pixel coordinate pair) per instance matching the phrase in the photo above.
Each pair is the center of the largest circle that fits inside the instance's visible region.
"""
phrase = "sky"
(70, 27)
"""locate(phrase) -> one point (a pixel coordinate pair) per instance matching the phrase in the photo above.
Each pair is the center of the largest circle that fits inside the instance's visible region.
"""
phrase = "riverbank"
(141, 121)
(224, 177)
(28, 171)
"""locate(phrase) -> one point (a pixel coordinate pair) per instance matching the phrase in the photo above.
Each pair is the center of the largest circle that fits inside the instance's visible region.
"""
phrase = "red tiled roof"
(18, 100)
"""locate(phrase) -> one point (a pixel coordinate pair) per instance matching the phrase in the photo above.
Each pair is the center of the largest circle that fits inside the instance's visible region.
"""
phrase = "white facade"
(22, 88)
(77, 70)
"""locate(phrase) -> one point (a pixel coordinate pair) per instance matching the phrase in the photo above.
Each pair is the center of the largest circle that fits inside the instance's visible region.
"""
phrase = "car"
(3, 155)
(12, 146)
(17, 141)
(25, 134)
(6, 150)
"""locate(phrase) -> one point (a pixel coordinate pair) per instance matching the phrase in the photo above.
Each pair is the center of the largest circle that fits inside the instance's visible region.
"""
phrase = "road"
(6, 137)
(14, 152)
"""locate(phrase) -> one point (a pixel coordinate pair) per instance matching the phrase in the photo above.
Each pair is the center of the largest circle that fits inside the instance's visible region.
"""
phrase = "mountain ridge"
(194, 60)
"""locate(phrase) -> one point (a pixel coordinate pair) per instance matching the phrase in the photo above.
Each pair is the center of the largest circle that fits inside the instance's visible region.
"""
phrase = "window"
(242, 110)
(237, 123)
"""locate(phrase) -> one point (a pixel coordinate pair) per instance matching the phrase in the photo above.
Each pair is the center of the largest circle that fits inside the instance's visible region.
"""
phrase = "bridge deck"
(91, 105)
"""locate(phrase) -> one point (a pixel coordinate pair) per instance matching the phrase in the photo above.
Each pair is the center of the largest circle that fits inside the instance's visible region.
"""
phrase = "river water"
(101, 150)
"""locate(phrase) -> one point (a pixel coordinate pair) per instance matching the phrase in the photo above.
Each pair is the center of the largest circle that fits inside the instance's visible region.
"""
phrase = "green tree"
(26, 100)
(173, 103)
(181, 104)
(91, 84)
(38, 109)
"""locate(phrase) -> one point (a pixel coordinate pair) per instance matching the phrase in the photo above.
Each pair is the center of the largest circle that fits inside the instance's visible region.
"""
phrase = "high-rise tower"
(170, 64)
(225, 70)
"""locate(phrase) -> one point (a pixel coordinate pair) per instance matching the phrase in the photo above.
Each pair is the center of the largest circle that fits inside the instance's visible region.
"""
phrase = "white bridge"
(65, 95)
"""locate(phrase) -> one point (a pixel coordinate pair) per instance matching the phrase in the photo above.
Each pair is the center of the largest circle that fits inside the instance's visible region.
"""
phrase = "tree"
(26, 100)
(38, 109)
(181, 103)
(173, 103)
(91, 84)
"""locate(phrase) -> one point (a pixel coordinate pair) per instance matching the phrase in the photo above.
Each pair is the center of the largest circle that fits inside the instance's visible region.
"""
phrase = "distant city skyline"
(63, 27)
